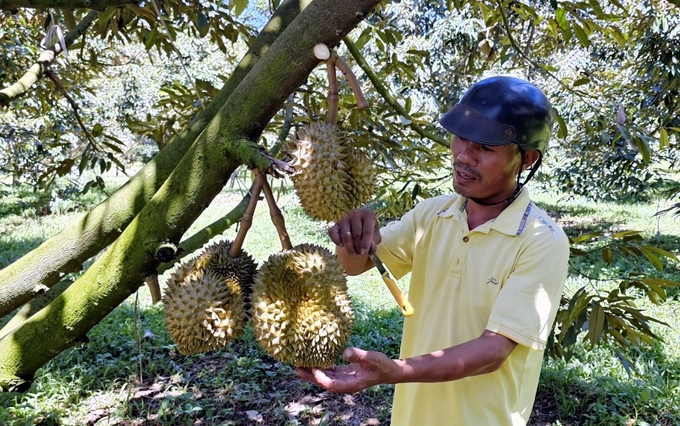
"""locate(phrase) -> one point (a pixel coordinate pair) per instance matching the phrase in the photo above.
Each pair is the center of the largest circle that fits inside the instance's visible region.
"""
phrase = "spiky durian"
(363, 183)
(324, 178)
(215, 258)
(203, 311)
(301, 313)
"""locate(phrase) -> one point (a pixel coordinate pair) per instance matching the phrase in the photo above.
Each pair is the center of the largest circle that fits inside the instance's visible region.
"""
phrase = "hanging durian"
(301, 312)
(203, 311)
(207, 300)
(216, 259)
(331, 177)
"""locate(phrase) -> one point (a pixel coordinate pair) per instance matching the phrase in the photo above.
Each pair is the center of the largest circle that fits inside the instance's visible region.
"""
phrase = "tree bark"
(64, 4)
(196, 180)
(66, 252)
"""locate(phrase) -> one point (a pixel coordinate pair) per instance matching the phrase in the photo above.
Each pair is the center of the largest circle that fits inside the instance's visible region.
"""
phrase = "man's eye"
(487, 148)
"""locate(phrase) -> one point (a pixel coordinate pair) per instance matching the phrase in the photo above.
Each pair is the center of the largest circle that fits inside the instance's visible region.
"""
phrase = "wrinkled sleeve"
(527, 304)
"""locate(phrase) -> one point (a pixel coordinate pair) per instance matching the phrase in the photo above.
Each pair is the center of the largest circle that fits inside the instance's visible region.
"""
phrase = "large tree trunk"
(64, 253)
(199, 176)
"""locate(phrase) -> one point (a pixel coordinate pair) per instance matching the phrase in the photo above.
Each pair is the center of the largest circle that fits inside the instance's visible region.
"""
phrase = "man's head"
(500, 112)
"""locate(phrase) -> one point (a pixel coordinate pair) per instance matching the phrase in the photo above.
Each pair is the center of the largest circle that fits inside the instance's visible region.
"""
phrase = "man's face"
(483, 171)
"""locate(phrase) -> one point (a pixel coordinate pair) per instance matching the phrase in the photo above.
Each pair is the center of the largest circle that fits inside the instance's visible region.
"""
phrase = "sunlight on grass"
(102, 377)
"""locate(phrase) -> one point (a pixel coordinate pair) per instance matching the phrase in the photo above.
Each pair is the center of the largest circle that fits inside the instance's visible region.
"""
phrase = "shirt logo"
(492, 280)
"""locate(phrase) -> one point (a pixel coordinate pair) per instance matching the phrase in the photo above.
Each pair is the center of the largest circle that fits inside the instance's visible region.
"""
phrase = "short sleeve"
(526, 306)
(398, 243)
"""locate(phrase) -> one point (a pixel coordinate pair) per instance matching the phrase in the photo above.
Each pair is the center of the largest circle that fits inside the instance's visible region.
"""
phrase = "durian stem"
(247, 219)
(154, 287)
(362, 104)
(277, 217)
(332, 116)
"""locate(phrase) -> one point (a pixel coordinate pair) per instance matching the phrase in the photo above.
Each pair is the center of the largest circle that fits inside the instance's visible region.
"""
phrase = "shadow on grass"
(12, 248)
(237, 385)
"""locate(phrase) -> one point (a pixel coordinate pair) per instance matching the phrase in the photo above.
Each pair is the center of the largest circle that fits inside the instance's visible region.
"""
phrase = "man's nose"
(466, 154)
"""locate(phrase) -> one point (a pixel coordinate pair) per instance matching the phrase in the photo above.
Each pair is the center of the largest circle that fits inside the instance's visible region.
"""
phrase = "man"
(487, 271)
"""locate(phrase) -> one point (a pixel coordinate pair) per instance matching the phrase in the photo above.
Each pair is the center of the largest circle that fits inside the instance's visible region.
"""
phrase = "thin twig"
(52, 76)
(384, 92)
(44, 60)
(137, 337)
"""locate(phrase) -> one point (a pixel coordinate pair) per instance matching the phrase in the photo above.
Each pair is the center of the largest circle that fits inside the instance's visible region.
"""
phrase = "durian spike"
(274, 211)
(362, 104)
(247, 219)
(332, 115)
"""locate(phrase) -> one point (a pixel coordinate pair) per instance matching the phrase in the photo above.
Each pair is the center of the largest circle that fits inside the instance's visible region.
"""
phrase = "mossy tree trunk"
(66, 252)
(196, 180)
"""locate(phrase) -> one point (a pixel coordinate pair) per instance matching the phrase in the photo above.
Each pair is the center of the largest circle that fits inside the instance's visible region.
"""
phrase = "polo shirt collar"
(511, 220)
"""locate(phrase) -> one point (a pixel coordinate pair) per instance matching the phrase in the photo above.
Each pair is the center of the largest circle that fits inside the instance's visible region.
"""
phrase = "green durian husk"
(301, 311)
(327, 175)
(203, 311)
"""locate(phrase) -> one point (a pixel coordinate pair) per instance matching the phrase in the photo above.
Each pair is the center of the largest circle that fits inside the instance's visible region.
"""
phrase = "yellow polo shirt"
(505, 276)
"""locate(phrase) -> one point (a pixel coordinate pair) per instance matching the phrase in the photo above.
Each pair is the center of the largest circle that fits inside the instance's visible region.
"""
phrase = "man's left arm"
(482, 355)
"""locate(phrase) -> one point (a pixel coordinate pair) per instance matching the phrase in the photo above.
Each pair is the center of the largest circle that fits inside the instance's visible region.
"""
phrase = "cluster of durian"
(331, 177)
(301, 311)
(206, 301)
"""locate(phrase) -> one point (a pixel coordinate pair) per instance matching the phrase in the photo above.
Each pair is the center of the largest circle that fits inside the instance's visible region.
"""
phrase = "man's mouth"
(464, 174)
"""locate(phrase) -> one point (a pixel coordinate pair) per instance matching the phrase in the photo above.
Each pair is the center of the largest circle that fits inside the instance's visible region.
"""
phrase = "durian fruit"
(203, 311)
(216, 259)
(363, 182)
(301, 312)
(207, 299)
(330, 177)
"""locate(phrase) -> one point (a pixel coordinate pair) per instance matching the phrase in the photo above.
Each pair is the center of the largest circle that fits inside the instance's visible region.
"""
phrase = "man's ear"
(530, 157)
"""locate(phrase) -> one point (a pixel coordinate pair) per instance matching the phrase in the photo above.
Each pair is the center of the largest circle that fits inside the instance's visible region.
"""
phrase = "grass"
(130, 373)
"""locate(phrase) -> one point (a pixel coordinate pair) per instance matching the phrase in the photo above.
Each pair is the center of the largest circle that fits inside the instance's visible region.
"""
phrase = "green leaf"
(652, 258)
(581, 82)
(364, 38)
(624, 234)
(562, 131)
(663, 138)
(661, 281)
(663, 252)
(97, 130)
(581, 35)
(69, 19)
(151, 37)
(586, 237)
(596, 323)
(240, 6)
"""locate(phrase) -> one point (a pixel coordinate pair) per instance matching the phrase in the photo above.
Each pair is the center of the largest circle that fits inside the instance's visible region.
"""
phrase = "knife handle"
(401, 299)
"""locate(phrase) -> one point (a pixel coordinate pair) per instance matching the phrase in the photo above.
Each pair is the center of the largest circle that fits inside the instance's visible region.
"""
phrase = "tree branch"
(44, 60)
(385, 93)
(63, 4)
(66, 251)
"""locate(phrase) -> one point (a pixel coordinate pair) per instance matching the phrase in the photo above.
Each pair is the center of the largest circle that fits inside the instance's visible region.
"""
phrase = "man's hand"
(366, 368)
(357, 233)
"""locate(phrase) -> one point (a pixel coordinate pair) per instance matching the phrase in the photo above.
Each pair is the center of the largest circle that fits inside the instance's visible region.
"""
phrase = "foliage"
(611, 69)
(102, 378)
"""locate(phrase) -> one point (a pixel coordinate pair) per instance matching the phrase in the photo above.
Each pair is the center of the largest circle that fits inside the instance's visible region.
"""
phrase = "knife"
(402, 301)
